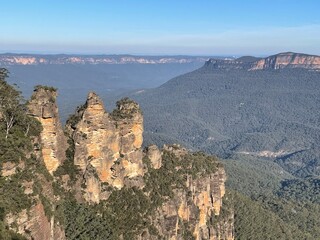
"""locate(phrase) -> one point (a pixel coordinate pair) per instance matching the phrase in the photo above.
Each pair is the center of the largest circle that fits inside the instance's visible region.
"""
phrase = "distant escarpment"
(10, 59)
(278, 61)
(92, 180)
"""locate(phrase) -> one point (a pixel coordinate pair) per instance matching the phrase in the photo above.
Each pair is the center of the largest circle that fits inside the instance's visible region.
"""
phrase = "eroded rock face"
(154, 154)
(33, 224)
(195, 208)
(278, 61)
(109, 144)
(107, 149)
(9, 169)
(96, 139)
(291, 60)
(43, 107)
(129, 122)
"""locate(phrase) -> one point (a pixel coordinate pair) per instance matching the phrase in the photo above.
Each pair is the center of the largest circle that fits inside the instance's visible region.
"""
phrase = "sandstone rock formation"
(107, 144)
(154, 154)
(195, 208)
(288, 60)
(181, 192)
(53, 143)
(278, 61)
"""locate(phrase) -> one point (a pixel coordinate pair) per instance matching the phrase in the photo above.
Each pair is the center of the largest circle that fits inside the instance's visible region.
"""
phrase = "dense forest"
(265, 126)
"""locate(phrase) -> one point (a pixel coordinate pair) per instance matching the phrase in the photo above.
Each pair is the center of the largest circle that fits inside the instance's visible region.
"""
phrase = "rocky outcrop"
(43, 107)
(129, 122)
(106, 145)
(278, 61)
(186, 190)
(194, 211)
(288, 60)
(154, 154)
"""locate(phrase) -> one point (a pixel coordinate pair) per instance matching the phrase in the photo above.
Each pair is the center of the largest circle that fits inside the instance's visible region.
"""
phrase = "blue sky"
(199, 27)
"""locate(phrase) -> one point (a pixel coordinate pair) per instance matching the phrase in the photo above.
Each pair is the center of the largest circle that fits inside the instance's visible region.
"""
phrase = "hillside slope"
(265, 113)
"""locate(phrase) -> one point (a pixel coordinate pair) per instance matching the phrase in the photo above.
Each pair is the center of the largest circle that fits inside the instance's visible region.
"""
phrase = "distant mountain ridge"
(278, 61)
(9, 59)
(231, 106)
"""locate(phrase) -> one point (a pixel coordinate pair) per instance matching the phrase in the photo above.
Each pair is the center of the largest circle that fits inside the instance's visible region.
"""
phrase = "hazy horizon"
(202, 28)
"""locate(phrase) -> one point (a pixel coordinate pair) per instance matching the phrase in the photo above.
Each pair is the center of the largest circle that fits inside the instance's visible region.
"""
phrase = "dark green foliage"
(126, 108)
(6, 234)
(17, 131)
(253, 176)
(300, 215)
(12, 197)
(172, 174)
(125, 214)
(68, 167)
(161, 182)
(3, 74)
(274, 197)
(129, 208)
(47, 206)
(306, 190)
(253, 221)
(228, 112)
(199, 164)
(85, 222)
(75, 118)
(47, 88)
(224, 112)
(15, 142)
(16, 127)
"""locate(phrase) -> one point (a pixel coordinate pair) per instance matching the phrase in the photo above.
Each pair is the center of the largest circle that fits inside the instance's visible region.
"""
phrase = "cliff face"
(108, 151)
(107, 146)
(193, 211)
(178, 194)
(43, 107)
(288, 60)
(30, 59)
(278, 61)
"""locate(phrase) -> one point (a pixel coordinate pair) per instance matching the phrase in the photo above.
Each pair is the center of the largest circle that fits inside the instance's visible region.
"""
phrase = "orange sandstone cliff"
(104, 151)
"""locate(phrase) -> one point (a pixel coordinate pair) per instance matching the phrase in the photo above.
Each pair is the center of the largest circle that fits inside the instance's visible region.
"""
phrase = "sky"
(160, 27)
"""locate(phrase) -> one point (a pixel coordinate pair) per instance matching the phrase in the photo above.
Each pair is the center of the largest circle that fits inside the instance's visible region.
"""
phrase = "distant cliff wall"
(278, 61)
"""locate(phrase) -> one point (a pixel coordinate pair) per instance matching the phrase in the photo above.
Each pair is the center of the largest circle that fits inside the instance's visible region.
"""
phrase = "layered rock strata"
(278, 61)
(195, 208)
(107, 147)
(43, 107)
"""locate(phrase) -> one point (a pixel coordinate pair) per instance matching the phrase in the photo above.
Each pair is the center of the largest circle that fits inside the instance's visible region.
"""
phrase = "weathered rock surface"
(53, 142)
(107, 150)
(195, 208)
(154, 154)
(278, 61)
(34, 224)
(109, 145)
(288, 60)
